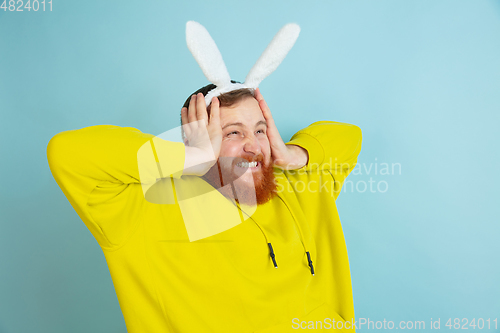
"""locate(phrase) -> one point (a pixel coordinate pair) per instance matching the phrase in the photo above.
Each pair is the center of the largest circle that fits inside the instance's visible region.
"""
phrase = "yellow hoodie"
(168, 278)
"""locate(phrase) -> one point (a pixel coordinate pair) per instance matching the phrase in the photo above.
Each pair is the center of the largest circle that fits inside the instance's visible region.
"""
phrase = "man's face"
(244, 138)
(245, 152)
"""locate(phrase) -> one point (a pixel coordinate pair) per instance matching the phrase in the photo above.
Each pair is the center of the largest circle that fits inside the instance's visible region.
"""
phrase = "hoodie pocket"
(321, 318)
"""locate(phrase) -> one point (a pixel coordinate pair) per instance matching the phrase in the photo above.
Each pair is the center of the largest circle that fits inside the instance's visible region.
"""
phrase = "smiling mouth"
(247, 165)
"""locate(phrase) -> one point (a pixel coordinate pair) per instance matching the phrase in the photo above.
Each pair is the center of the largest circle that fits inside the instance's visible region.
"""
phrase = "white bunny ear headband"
(207, 55)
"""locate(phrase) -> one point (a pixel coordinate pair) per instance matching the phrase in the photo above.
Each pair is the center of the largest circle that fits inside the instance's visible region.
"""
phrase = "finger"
(201, 108)
(272, 131)
(214, 127)
(215, 112)
(258, 95)
(262, 103)
(184, 116)
(192, 109)
(185, 126)
(266, 112)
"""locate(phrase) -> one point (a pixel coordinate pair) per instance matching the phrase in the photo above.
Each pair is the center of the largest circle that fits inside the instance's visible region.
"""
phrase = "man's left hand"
(286, 157)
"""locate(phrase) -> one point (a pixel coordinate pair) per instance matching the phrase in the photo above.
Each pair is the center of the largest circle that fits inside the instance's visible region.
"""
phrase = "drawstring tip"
(310, 262)
(271, 254)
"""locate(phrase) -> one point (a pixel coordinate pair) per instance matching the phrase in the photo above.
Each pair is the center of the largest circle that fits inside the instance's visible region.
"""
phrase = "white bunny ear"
(273, 55)
(206, 53)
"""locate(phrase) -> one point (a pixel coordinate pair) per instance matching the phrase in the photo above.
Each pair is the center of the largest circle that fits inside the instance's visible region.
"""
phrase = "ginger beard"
(237, 178)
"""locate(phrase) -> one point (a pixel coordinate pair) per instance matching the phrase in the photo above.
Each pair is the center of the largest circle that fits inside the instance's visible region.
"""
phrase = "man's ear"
(186, 142)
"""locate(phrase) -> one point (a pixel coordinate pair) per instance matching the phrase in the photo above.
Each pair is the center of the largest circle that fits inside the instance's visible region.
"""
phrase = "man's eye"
(234, 132)
(260, 131)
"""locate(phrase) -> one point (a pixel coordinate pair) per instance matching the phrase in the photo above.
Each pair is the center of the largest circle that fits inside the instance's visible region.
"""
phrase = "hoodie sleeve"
(333, 148)
(104, 172)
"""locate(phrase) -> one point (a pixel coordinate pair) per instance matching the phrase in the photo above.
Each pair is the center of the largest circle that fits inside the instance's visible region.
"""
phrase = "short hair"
(225, 100)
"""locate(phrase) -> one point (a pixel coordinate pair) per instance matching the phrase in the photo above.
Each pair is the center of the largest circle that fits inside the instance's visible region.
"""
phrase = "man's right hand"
(203, 136)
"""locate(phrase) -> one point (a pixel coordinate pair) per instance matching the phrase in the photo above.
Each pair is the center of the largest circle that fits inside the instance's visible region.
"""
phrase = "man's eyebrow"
(233, 124)
(261, 122)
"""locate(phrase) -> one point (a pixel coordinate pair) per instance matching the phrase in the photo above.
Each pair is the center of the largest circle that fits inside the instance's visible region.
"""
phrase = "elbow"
(57, 151)
(52, 149)
(358, 133)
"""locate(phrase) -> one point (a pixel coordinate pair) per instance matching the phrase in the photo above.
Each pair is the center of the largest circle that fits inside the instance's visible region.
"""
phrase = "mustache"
(233, 160)
(257, 158)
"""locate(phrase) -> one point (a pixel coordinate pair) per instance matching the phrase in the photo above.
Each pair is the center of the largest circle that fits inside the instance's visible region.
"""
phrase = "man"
(164, 215)
(241, 146)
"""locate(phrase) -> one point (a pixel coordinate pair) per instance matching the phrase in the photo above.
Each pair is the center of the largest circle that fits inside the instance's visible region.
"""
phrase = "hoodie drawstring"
(271, 254)
(271, 251)
(297, 225)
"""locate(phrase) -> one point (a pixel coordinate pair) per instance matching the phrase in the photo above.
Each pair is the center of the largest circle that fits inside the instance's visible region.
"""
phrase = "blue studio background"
(421, 79)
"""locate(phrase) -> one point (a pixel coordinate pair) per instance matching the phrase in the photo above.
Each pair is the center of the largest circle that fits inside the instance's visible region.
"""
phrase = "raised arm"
(333, 150)
(331, 146)
(325, 146)
(107, 153)
(107, 172)
(99, 165)
(285, 157)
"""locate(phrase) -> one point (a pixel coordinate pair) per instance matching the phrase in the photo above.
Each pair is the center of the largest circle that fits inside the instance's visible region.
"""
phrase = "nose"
(252, 145)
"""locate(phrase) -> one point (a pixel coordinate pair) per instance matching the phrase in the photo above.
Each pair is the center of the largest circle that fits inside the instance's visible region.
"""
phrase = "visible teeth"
(247, 164)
